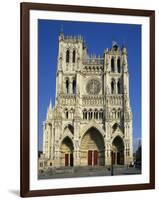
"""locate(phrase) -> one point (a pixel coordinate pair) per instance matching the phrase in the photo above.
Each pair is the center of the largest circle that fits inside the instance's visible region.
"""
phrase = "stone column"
(57, 155)
(115, 87)
(107, 154)
(70, 87)
(125, 156)
(76, 153)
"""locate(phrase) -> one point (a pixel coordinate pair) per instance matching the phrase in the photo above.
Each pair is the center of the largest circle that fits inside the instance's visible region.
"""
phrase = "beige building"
(91, 122)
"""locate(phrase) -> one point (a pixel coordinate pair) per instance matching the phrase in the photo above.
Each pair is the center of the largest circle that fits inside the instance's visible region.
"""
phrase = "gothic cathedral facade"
(91, 122)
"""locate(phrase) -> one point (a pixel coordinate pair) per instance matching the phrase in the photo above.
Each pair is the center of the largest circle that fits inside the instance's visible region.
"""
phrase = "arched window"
(71, 113)
(118, 65)
(67, 86)
(101, 114)
(112, 87)
(74, 56)
(74, 87)
(119, 114)
(119, 88)
(90, 114)
(95, 114)
(67, 56)
(66, 114)
(113, 113)
(115, 126)
(112, 65)
(84, 114)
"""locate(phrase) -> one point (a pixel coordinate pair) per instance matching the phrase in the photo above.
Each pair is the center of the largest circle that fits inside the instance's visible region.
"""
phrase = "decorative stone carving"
(93, 87)
(92, 108)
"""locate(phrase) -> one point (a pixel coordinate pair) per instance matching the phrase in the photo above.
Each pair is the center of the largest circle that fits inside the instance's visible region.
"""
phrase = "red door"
(95, 157)
(66, 159)
(89, 157)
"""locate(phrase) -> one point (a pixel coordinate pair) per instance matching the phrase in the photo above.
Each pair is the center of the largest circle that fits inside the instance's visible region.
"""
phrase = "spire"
(124, 51)
(50, 105)
(114, 43)
(61, 30)
(61, 34)
(123, 43)
(49, 111)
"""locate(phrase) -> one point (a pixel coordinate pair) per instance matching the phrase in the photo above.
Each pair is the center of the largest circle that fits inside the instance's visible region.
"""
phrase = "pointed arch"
(118, 137)
(66, 151)
(95, 113)
(74, 86)
(115, 126)
(101, 114)
(66, 113)
(118, 65)
(92, 148)
(119, 87)
(90, 114)
(112, 65)
(112, 87)
(119, 113)
(67, 138)
(113, 113)
(74, 56)
(67, 85)
(118, 150)
(84, 114)
(67, 56)
(70, 128)
(118, 133)
(90, 125)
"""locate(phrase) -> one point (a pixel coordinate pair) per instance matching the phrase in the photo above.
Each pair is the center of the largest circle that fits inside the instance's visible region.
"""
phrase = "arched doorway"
(66, 152)
(118, 151)
(92, 149)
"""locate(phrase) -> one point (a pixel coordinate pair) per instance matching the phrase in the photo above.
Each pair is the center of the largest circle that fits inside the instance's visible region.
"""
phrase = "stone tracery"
(92, 117)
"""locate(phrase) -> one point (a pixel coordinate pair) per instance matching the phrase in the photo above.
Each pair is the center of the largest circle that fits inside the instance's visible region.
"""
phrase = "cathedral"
(91, 121)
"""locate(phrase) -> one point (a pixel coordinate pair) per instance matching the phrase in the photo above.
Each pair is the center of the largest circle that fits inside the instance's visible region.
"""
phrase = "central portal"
(92, 150)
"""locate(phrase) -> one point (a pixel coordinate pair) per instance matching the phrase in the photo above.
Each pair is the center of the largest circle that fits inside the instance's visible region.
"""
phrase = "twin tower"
(91, 122)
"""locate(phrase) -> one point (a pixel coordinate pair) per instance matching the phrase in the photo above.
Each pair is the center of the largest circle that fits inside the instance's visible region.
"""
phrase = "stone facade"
(91, 122)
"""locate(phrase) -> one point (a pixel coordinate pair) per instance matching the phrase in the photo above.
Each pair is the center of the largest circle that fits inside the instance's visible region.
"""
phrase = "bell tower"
(70, 54)
(91, 122)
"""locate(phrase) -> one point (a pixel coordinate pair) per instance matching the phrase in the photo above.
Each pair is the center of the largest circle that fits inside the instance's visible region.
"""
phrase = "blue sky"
(98, 36)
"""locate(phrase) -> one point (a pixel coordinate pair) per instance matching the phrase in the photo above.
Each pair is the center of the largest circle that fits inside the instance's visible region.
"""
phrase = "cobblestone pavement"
(69, 172)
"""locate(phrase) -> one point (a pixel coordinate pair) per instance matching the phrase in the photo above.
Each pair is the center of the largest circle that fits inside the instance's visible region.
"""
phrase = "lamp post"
(112, 162)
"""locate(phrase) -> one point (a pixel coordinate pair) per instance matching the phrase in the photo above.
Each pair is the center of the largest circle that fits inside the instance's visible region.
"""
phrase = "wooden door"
(95, 157)
(66, 159)
(113, 157)
(118, 158)
(71, 159)
(90, 157)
